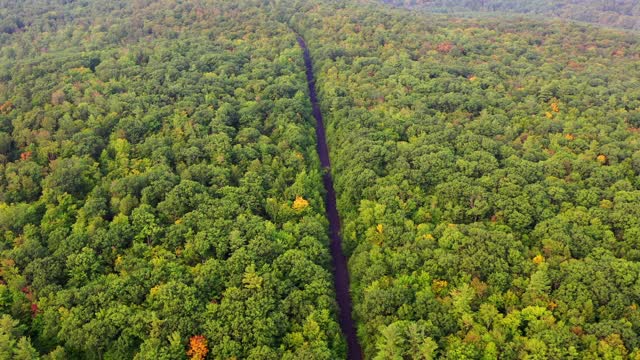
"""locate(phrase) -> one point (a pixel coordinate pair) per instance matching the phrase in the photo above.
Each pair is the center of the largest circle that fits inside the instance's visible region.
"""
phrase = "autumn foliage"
(439, 285)
(25, 155)
(444, 47)
(602, 159)
(300, 203)
(197, 347)
(4, 108)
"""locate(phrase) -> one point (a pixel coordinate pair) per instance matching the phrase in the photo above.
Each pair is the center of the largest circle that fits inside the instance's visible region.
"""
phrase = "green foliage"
(618, 13)
(486, 175)
(142, 145)
(159, 181)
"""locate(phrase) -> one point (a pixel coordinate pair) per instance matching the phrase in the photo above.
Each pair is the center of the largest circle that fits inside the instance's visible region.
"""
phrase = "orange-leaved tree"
(198, 347)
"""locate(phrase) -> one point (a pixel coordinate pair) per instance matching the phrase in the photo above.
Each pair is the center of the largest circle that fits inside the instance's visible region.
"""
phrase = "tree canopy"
(161, 196)
(487, 178)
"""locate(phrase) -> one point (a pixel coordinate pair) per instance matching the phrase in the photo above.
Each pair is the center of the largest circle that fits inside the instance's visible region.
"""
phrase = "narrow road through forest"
(340, 271)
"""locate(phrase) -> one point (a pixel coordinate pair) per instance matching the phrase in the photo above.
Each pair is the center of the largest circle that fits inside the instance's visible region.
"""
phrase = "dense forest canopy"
(159, 191)
(161, 197)
(487, 175)
(616, 13)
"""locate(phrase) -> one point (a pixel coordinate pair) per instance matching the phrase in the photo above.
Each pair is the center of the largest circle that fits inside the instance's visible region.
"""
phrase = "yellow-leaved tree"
(300, 203)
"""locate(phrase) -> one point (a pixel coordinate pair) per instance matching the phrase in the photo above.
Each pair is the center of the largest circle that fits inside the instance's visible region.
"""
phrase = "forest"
(487, 178)
(160, 192)
(613, 13)
(161, 196)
